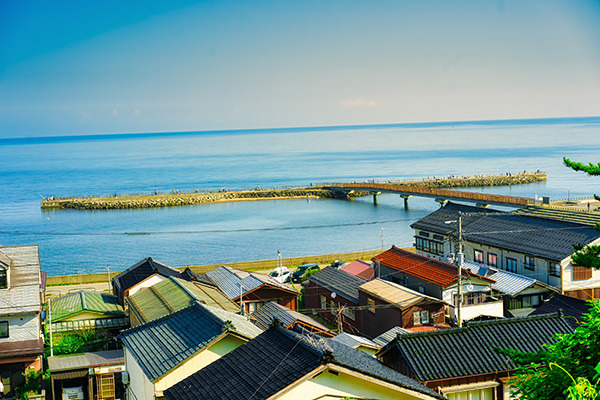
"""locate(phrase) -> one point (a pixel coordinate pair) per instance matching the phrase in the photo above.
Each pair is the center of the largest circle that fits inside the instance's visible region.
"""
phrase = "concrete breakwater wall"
(186, 199)
(478, 180)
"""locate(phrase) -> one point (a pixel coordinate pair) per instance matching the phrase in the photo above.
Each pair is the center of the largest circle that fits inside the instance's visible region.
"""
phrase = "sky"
(99, 67)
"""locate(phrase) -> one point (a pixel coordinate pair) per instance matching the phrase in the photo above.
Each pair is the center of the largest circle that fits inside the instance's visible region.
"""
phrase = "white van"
(281, 274)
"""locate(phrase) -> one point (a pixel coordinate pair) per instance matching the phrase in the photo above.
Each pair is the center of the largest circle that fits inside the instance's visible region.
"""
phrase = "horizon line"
(145, 135)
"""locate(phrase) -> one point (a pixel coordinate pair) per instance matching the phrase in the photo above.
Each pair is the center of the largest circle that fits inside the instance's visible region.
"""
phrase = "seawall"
(244, 265)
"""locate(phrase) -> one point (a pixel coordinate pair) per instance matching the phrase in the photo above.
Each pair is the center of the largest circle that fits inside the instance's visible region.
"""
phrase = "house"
(281, 364)
(253, 289)
(358, 342)
(290, 319)
(141, 275)
(84, 310)
(535, 246)
(173, 294)
(521, 294)
(334, 294)
(99, 374)
(21, 340)
(389, 304)
(360, 269)
(439, 279)
(572, 308)
(162, 352)
(462, 363)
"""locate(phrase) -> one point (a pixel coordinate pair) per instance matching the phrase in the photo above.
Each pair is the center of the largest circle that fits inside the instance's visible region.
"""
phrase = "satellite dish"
(470, 287)
(333, 295)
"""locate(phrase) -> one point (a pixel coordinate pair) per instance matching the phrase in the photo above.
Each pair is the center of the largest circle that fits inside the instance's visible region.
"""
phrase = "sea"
(82, 242)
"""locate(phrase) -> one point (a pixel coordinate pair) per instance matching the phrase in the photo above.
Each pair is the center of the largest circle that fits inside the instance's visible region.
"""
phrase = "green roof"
(173, 294)
(106, 305)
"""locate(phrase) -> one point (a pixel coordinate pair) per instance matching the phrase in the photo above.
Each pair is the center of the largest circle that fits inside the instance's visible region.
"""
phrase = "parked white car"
(281, 274)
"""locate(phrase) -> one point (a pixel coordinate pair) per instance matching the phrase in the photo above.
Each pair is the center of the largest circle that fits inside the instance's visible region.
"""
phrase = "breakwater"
(194, 198)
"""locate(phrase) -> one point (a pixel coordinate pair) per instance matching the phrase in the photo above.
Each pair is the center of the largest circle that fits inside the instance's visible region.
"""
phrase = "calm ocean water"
(87, 241)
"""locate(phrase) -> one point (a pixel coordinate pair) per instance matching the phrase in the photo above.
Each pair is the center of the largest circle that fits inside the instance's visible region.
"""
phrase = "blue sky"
(94, 67)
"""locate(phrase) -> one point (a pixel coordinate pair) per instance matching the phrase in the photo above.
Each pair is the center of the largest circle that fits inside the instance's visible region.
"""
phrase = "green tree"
(590, 169)
(576, 354)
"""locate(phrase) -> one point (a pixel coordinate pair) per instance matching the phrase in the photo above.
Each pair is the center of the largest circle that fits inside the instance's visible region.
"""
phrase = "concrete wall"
(22, 327)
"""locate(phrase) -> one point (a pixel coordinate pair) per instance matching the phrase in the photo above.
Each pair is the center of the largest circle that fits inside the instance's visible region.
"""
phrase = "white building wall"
(329, 386)
(22, 327)
(140, 387)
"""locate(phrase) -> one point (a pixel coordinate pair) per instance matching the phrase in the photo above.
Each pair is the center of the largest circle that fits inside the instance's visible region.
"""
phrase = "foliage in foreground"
(568, 368)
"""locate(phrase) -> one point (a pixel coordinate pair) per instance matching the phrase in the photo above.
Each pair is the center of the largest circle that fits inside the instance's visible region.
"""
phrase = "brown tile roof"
(22, 348)
(437, 272)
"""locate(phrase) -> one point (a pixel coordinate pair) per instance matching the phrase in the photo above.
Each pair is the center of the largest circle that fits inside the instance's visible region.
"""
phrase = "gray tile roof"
(160, 345)
(337, 281)
(470, 350)
(271, 310)
(506, 282)
(538, 237)
(390, 335)
(275, 360)
(85, 360)
(230, 279)
(354, 341)
(573, 309)
(140, 271)
(23, 294)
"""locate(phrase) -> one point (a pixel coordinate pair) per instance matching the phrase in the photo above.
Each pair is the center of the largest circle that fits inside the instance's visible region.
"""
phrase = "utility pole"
(109, 282)
(459, 260)
(50, 323)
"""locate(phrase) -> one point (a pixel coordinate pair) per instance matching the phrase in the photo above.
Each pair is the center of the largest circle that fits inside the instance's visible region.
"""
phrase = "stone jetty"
(197, 197)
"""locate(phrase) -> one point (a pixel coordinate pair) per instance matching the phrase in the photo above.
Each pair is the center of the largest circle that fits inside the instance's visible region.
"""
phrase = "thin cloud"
(358, 102)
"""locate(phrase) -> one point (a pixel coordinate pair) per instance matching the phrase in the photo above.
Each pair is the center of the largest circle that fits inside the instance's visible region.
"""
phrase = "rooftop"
(23, 294)
(470, 350)
(83, 301)
(395, 294)
(506, 282)
(85, 360)
(160, 345)
(573, 309)
(140, 271)
(437, 272)
(265, 315)
(173, 294)
(234, 282)
(248, 371)
(539, 237)
(359, 268)
(337, 281)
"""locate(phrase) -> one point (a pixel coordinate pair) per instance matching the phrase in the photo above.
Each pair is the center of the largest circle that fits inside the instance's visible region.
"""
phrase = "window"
(323, 302)
(529, 263)
(553, 269)
(472, 298)
(580, 273)
(492, 260)
(3, 283)
(511, 264)
(421, 317)
(3, 329)
(532, 300)
(478, 256)
(424, 234)
(333, 310)
(371, 304)
(421, 289)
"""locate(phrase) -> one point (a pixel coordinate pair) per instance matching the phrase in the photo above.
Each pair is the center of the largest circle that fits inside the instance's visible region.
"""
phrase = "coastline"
(176, 198)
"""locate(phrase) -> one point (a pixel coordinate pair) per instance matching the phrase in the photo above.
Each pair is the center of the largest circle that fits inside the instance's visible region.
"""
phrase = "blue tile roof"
(160, 345)
(230, 279)
(271, 310)
(275, 360)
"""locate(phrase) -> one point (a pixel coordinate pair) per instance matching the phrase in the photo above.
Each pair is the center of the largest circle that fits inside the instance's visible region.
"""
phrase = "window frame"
(513, 261)
(7, 330)
(581, 273)
(529, 262)
(476, 254)
(554, 269)
(495, 257)
(371, 304)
